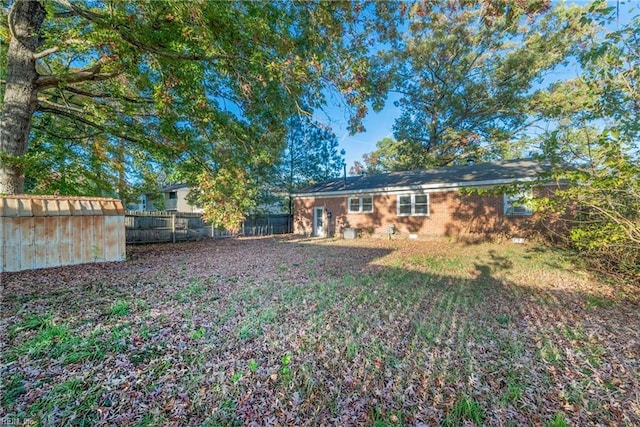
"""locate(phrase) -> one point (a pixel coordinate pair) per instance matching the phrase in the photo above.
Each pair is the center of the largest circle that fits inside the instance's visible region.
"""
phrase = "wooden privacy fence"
(157, 227)
(265, 225)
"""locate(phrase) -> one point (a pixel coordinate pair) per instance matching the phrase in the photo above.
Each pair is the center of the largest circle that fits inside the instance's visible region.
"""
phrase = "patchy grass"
(120, 308)
(365, 332)
(464, 409)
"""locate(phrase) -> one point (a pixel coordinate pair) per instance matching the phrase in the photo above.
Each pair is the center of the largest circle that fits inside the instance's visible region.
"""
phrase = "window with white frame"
(360, 204)
(518, 204)
(413, 204)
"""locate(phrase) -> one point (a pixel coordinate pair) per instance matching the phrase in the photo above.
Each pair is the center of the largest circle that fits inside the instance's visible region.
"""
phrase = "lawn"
(285, 332)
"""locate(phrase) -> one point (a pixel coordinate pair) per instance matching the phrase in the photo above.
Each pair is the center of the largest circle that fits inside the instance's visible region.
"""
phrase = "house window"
(173, 195)
(360, 204)
(404, 205)
(518, 204)
(413, 205)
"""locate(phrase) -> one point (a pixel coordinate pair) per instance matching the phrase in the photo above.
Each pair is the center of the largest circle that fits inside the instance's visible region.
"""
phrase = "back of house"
(474, 200)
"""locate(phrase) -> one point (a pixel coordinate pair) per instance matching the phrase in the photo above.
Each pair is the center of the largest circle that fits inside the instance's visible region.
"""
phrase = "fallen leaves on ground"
(281, 331)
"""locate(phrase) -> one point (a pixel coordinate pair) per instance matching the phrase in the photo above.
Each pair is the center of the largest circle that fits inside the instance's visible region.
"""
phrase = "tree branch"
(46, 52)
(48, 131)
(172, 55)
(106, 95)
(75, 118)
(12, 30)
(68, 114)
(77, 11)
(60, 106)
(97, 19)
(92, 73)
(55, 49)
(65, 14)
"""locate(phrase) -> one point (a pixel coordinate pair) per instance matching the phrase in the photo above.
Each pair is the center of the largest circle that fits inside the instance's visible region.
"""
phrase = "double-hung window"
(360, 204)
(413, 205)
(518, 204)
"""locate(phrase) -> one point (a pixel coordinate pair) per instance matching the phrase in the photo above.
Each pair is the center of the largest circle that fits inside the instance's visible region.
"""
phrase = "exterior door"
(318, 222)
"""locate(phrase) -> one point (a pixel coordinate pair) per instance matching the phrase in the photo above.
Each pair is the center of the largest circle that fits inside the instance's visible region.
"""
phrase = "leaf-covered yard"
(285, 332)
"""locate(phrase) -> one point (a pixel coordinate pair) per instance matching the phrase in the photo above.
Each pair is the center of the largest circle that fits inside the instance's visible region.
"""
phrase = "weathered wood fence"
(156, 227)
(265, 225)
(53, 231)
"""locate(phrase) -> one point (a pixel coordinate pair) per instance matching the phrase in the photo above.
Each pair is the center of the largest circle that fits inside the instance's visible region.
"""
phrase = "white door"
(318, 222)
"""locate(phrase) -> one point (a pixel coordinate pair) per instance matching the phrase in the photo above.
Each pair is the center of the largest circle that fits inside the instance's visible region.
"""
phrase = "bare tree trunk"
(20, 97)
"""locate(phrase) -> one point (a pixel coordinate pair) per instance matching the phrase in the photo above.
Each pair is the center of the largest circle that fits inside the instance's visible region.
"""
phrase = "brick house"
(423, 203)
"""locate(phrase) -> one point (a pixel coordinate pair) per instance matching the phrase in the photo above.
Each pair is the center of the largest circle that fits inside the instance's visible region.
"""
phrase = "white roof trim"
(424, 187)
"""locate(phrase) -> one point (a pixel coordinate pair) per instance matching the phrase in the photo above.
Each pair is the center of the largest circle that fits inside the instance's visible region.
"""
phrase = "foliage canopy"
(594, 127)
(113, 91)
(465, 76)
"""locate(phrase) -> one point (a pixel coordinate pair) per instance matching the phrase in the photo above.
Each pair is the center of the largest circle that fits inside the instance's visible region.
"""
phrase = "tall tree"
(20, 101)
(357, 168)
(311, 155)
(391, 155)
(465, 73)
(158, 80)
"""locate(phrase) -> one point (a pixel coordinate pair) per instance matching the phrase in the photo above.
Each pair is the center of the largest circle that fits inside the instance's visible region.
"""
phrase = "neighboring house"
(175, 199)
(144, 203)
(424, 203)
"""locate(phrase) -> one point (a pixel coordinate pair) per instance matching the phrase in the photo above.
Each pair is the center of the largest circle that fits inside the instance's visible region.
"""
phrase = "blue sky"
(380, 125)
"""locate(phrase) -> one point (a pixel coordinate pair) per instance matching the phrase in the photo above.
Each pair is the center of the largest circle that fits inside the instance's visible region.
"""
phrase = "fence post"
(173, 227)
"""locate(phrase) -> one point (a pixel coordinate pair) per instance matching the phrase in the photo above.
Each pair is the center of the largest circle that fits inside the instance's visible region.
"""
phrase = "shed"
(51, 231)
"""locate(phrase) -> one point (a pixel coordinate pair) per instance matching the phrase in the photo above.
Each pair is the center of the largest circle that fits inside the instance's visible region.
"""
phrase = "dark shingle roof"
(174, 187)
(442, 177)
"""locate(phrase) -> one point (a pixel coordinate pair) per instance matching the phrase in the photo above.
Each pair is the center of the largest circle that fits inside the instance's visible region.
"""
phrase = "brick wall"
(451, 214)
